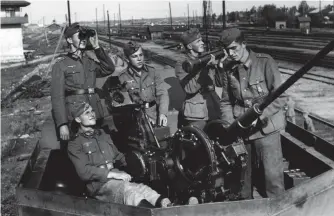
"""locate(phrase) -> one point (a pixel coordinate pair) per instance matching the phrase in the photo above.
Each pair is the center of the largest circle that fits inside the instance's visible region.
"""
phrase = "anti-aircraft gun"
(207, 164)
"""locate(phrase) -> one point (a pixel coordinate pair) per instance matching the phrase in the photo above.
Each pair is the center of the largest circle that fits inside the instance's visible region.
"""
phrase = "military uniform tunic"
(197, 87)
(245, 84)
(73, 73)
(149, 87)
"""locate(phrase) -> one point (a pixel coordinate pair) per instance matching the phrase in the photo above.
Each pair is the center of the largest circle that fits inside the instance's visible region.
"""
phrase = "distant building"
(304, 24)
(155, 31)
(54, 28)
(11, 31)
(280, 24)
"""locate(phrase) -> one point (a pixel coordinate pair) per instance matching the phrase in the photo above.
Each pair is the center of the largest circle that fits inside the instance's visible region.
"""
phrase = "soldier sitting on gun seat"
(95, 157)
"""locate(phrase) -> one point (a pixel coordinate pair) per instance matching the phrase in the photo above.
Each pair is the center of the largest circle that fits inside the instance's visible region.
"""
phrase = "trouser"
(265, 156)
(128, 193)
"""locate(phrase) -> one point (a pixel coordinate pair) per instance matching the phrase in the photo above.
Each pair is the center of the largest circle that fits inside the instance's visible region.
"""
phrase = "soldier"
(290, 110)
(98, 163)
(308, 123)
(145, 85)
(201, 102)
(73, 80)
(248, 78)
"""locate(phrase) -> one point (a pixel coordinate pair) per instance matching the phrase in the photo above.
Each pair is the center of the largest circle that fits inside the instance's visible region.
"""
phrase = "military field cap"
(130, 48)
(71, 30)
(190, 35)
(229, 35)
(78, 108)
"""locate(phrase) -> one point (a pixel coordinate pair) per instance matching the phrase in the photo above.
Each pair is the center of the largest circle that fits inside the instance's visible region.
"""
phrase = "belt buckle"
(91, 91)
(147, 105)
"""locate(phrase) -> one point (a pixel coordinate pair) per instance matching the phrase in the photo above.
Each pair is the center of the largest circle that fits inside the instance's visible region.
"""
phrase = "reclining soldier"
(98, 163)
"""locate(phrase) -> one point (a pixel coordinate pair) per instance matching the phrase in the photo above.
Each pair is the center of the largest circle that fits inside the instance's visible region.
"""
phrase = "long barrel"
(253, 113)
(172, 46)
(190, 65)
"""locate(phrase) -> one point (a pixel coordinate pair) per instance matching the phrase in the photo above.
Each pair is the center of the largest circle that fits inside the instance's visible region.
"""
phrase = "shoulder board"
(149, 66)
(59, 59)
(123, 71)
(262, 55)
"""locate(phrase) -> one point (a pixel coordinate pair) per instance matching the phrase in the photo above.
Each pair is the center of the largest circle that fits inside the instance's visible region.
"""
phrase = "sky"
(84, 10)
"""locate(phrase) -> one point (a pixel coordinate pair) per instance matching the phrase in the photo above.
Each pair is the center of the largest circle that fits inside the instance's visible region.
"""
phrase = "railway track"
(282, 49)
(322, 140)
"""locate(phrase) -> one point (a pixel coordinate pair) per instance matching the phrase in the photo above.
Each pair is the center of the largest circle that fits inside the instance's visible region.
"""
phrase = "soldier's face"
(236, 50)
(137, 59)
(197, 45)
(87, 118)
(76, 42)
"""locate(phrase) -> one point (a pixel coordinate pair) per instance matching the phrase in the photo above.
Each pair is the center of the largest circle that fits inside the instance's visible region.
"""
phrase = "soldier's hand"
(94, 41)
(221, 61)
(64, 132)
(212, 61)
(162, 120)
(119, 175)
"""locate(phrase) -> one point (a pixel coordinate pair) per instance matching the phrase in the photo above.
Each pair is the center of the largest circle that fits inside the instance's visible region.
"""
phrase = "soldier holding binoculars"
(73, 81)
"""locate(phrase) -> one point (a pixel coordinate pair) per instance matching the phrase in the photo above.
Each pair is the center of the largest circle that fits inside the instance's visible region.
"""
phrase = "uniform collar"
(73, 56)
(89, 134)
(133, 72)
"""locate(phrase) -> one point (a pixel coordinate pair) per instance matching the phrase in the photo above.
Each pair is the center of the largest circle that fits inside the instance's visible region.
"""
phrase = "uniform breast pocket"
(73, 76)
(90, 149)
(148, 91)
(258, 87)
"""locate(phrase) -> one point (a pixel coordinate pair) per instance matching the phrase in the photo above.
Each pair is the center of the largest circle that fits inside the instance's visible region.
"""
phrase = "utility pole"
(132, 21)
(120, 19)
(193, 17)
(69, 12)
(170, 15)
(114, 20)
(188, 17)
(104, 17)
(97, 26)
(205, 24)
(224, 15)
(109, 28)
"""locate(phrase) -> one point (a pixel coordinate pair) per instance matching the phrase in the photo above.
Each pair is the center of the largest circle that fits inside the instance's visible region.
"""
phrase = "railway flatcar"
(50, 185)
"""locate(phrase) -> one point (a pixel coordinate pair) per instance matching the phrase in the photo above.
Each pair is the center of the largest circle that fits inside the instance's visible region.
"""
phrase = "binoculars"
(85, 33)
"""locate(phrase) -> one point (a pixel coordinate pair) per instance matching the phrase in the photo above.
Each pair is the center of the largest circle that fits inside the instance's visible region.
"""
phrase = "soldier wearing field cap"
(201, 102)
(145, 85)
(247, 78)
(73, 80)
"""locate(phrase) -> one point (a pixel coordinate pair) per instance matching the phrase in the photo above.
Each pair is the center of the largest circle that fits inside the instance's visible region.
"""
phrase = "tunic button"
(244, 78)
(132, 88)
(89, 152)
(245, 90)
(102, 151)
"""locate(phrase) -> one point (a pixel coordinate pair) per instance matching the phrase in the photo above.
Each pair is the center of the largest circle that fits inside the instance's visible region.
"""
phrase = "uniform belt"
(80, 91)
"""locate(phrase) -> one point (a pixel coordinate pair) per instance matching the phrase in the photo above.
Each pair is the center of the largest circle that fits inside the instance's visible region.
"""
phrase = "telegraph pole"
(170, 14)
(108, 28)
(224, 15)
(114, 20)
(97, 26)
(104, 17)
(120, 19)
(188, 17)
(69, 12)
(75, 16)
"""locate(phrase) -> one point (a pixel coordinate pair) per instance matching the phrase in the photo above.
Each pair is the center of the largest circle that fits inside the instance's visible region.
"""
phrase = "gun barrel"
(189, 65)
(172, 46)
